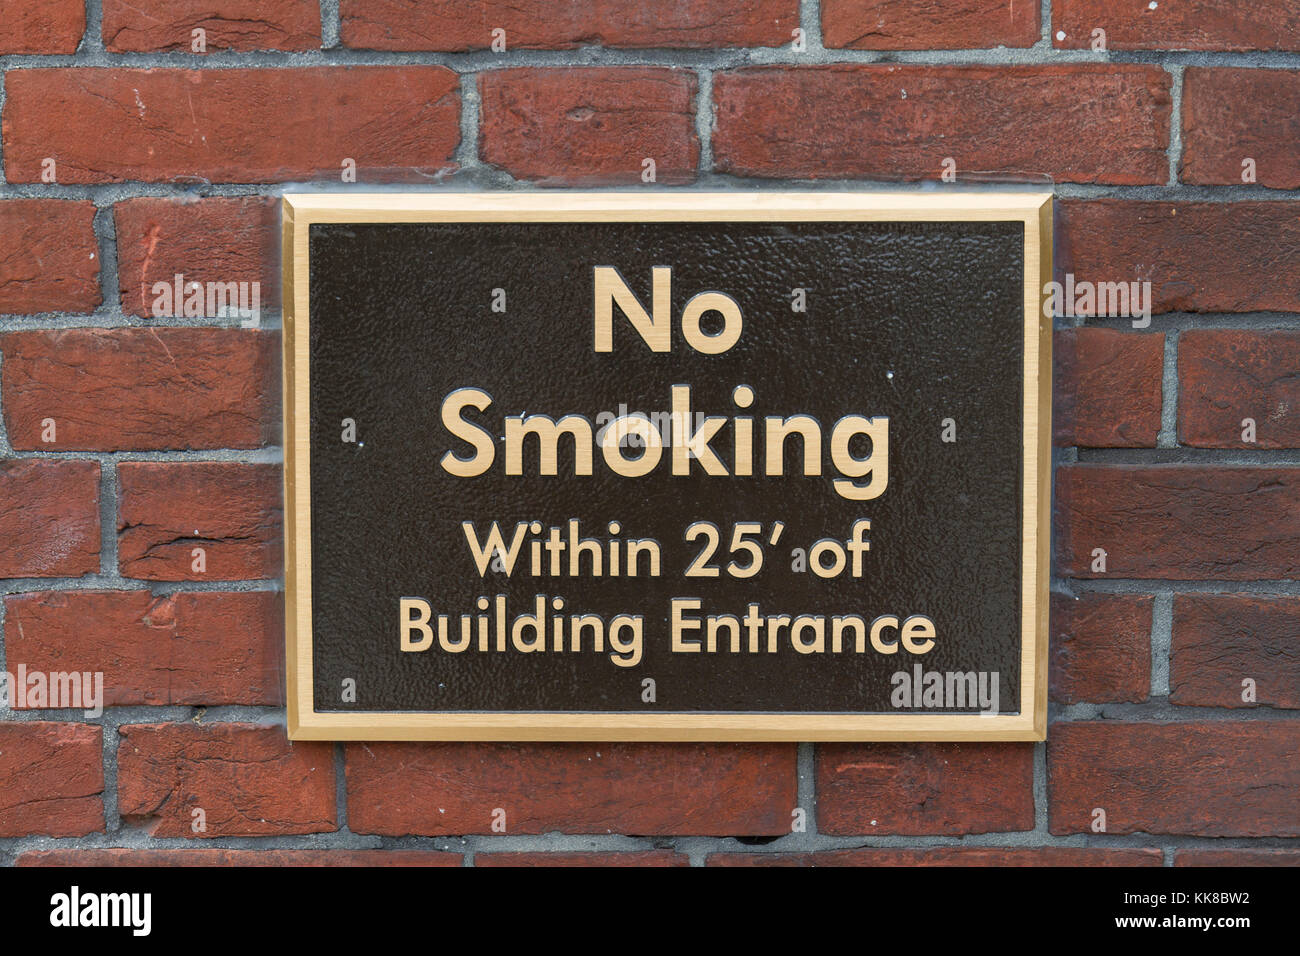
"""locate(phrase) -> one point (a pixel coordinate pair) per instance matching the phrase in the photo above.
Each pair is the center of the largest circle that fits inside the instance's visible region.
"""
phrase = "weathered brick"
(682, 789)
(927, 24)
(1243, 857)
(42, 26)
(1185, 25)
(457, 25)
(184, 648)
(634, 858)
(1209, 778)
(1228, 375)
(947, 856)
(1072, 123)
(49, 518)
(248, 780)
(239, 126)
(1180, 522)
(1230, 116)
(209, 240)
(1101, 648)
(141, 389)
(571, 127)
(1198, 256)
(122, 857)
(924, 788)
(1221, 639)
(50, 261)
(230, 510)
(147, 25)
(1107, 392)
(51, 779)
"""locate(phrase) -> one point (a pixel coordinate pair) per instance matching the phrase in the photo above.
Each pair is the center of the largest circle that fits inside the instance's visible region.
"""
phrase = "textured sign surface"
(570, 473)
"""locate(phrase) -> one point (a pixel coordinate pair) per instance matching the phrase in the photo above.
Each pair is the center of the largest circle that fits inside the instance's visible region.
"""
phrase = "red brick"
(51, 258)
(119, 857)
(1198, 256)
(945, 856)
(456, 25)
(928, 24)
(1237, 858)
(49, 518)
(589, 126)
(51, 779)
(1107, 392)
(186, 648)
(1185, 25)
(1231, 115)
(924, 788)
(248, 780)
(147, 25)
(229, 509)
(241, 126)
(42, 26)
(1220, 639)
(653, 789)
(1101, 648)
(204, 240)
(642, 858)
(1073, 123)
(1180, 522)
(141, 389)
(1211, 778)
(1226, 376)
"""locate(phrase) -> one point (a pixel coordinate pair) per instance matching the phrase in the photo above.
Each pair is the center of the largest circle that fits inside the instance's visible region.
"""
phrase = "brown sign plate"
(667, 467)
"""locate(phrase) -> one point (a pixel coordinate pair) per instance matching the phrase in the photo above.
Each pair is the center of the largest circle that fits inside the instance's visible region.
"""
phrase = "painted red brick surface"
(203, 781)
(199, 521)
(948, 856)
(42, 26)
(1108, 388)
(1101, 647)
(49, 518)
(1074, 123)
(1235, 650)
(147, 25)
(708, 790)
(260, 858)
(576, 128)
(1194, 254)
(1211, 779)
(948, 789)
(205, 241)
(1239, 127)
(141, 480)
(1179, 522)
(185, 648)
(1185, 25)
(927, 24)
(171, 125)
(51, 779)
(141, 389)
(1238, 389)
(455, 25)
(51, 259)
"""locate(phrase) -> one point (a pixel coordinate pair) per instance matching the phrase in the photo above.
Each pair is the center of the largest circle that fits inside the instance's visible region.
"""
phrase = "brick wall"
(129, 158)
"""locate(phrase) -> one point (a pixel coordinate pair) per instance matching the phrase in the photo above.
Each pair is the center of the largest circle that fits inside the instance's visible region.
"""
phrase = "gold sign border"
(1034, 210)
